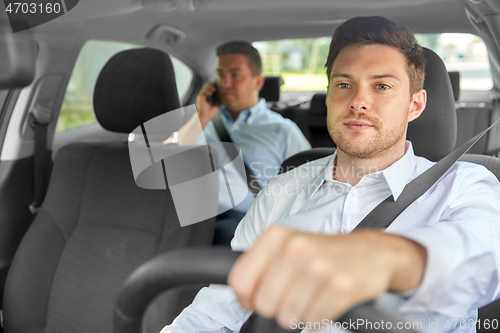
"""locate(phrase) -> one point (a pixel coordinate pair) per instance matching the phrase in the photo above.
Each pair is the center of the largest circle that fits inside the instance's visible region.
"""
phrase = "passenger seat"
(271, 91)
(312, 121)
(96, 225)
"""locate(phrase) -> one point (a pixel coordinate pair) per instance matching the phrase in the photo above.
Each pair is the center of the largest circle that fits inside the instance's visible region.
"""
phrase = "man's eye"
(343, 85)
(382, 86)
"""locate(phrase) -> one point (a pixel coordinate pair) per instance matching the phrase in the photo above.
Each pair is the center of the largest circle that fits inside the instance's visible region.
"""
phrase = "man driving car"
(437, 262)
(266, 138)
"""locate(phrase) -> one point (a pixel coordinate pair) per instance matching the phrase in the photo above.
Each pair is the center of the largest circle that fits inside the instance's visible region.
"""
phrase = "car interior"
(74, 224)
(166, 271)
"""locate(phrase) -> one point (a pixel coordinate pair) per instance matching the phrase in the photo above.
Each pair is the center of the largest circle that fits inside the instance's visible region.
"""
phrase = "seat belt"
(493, 137)
(39, 119)
(223, 135)
(388, 210)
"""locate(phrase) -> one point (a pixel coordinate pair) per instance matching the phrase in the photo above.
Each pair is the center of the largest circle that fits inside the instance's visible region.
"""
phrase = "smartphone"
(214, 99)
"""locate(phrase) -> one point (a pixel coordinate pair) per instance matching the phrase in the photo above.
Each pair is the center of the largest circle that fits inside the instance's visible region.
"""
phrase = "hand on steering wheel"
(211, 265)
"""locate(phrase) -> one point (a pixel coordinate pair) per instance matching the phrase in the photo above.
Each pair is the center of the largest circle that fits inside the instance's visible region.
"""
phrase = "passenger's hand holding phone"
(214, 99)
(208, 103)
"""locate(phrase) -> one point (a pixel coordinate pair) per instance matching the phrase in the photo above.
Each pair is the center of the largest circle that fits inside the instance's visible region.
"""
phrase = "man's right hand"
(206, 111)
(307, 277)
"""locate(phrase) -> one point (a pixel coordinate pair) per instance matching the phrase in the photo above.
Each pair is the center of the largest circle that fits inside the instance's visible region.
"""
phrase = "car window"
(77, 109)
(465, 53)
(301, 61)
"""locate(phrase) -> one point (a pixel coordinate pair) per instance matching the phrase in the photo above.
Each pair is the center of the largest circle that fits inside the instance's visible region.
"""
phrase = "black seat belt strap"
(42, 155)
(223, 135)
(493, 137)
(388, 210)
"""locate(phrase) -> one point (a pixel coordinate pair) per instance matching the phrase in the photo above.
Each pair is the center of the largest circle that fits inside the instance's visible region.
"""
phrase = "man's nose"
(226, 81)
(360, 100)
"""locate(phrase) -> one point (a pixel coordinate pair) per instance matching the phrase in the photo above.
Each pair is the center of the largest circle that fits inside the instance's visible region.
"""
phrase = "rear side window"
(301, 61)
(464, 53)
(77, 109)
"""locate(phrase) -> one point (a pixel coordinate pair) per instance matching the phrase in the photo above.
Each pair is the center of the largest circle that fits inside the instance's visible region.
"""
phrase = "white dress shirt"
(457, 220)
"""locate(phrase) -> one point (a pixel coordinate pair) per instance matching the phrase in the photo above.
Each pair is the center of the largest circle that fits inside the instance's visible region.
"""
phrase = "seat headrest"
(318, 103)
(434, 133)
(133, 87)
(271, 88)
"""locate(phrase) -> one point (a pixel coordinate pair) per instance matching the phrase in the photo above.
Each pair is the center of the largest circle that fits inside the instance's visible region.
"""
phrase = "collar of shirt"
(396, 176)
(247, 116)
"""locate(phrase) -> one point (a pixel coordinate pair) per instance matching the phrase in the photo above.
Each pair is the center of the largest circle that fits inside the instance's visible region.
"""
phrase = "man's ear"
(417, 104)
(259, 82)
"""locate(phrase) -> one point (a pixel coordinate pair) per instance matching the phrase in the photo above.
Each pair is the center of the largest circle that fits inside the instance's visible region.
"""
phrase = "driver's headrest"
(133, 87)
(434, 133)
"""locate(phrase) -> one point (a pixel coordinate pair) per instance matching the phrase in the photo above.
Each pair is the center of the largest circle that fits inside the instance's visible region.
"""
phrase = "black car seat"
(312, 121)
(271, 91)
(96, 225)
(271, 88)
(433, 136)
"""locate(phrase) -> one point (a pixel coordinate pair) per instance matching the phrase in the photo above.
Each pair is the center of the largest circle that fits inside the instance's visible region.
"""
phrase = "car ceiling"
(206, 23)
(200, 25)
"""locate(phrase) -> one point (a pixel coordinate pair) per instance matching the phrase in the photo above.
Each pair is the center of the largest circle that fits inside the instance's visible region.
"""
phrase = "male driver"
(439, 259)
(266, 138)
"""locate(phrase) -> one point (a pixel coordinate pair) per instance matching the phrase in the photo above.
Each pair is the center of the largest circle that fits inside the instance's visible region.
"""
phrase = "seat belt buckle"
(33, 208)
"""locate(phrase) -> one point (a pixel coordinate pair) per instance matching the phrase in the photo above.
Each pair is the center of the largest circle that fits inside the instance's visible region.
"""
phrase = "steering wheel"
(212, 265)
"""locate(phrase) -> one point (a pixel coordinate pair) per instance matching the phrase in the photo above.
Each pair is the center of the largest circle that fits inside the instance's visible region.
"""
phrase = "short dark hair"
(379, 30)
(245, 48)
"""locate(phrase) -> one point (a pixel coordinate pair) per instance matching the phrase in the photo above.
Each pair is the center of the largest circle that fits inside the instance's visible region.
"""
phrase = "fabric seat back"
(96, 225)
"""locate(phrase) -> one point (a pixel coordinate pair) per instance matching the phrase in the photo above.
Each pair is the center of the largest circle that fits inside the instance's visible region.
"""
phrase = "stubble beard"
(368, 147)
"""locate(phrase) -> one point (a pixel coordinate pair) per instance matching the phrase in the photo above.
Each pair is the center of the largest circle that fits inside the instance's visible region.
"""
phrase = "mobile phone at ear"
(214, 98)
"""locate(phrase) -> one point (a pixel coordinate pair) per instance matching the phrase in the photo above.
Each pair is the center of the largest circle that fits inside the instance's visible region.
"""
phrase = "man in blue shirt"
(266, 138)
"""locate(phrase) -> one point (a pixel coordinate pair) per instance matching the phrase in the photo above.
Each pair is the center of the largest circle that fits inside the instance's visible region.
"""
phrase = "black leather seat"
(96, 225)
